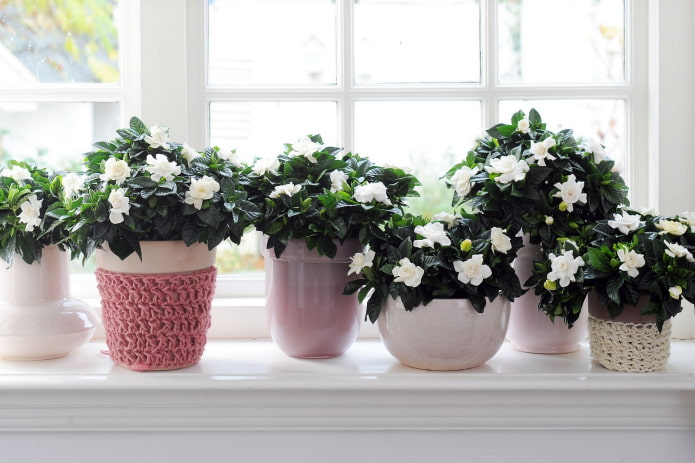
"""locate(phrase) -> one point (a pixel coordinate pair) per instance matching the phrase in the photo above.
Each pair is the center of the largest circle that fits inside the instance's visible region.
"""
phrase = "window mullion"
(346, 59)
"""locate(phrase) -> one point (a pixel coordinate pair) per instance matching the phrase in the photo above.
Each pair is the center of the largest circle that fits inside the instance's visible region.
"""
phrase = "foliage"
(313, 193)
(28, 194)
(142, 187)
(417, 261)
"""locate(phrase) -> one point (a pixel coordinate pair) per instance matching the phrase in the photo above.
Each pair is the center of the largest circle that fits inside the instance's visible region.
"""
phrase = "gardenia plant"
(27, 196)
(312, 193)
(545, 184)
(636, 254)
(141, 186)
(449, 257)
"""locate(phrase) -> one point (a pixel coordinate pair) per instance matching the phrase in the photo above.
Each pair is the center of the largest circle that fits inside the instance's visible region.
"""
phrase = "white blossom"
(445, 217)
(461, 180)
(189, 153)
(116, 170)
(688, 218)
(159, 137)
(593, 147)
(433, 233)
(264, 166)
(408, 273)
(499, 240)
(305, 147)
(564, 268)
(631, 261)
(625, 222)
(372, 192)
(361, 260)
(472, 271)
(675, 292)
(120, 205)
(161, 168)
(509, 167)
(570, 192)
(541, 151)
(406, 169)
(230, 156)
(31, 212)
(72, 184)
(287, 189)
(676, 250)
(338, 177)
(523, 126)
(16, 173)
(200, 190)
(671, 227)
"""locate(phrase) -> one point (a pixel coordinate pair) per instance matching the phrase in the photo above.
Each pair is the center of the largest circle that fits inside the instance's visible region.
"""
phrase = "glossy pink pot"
(308, 315)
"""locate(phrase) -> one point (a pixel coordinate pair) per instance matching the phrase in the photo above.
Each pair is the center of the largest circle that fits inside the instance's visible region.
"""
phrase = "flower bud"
(563, 206)
(550, 285)
(549, 220)
(466, 245)
(675, 292)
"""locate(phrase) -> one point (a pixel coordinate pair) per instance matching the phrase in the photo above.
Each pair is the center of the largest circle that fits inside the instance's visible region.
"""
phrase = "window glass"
(61, 41)
(416, 41)
(561, 41)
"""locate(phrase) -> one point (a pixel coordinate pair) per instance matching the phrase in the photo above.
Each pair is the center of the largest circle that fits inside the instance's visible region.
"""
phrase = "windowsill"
(251, 385)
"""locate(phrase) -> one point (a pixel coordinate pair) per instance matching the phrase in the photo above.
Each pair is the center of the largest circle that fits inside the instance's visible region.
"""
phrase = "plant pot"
(631, 342)
(446, 334)
(530, 329)
(308, 315)
(157, 311)
(38, 318)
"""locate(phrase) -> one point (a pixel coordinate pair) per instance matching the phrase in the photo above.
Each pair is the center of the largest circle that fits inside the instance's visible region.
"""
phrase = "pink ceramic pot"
(446, 334)
(308, 315)
(531, 330)
(38, 318)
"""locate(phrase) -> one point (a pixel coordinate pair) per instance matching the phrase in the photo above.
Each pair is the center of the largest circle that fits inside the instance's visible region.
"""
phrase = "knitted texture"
(156, 322)
(629, 347)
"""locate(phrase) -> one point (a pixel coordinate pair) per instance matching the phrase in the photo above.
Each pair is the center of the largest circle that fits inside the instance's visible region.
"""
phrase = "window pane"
(428, 136)
(55, 134)
(59, 42)
(261, 42)
(561, 41)
(410, 41)
(601, 120)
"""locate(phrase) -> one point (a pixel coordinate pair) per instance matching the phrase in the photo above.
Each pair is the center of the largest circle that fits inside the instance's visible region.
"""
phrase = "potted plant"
(439, 290)
(154, 210)
(547, 186)
(38, 317)
(640, 267)
(319, 207)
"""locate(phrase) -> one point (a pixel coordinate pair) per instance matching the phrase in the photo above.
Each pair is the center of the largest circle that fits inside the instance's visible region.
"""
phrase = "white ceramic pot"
(446, 334)
(38, 318)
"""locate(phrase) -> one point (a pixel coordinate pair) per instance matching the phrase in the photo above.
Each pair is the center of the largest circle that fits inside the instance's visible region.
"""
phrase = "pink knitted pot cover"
(156, 321)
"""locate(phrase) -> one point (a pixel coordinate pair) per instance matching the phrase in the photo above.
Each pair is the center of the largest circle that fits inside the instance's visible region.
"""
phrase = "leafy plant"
(452, 257)
(313, 193)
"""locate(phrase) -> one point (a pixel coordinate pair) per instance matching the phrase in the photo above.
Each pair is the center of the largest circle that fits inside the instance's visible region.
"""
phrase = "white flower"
(625, 222)
(161, 168)
(116, 170)
(675, 292)
(189, 153)
(16, 173)
(461, 180)
(200, 190)
(305, 147)
(230, 156)
(361, 260)
(433, 233)
(689, 219)
(120, 204)
(570, 192)
(445, 217)
(472, 270)
(541, 151)
(523, 126)
(31, 212)
(406, 169)
(72, 184)
(264, 166)
(372, 191)
(593, 147)
(338, 177)
(676, 250)
(564, 268)
(631, 261)
(287, 189)
(408, 273)
(671, 227)
(510, 168)
(500, 242)
(159, 137)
